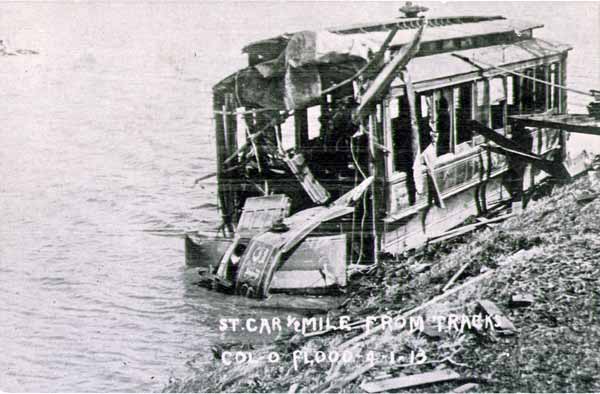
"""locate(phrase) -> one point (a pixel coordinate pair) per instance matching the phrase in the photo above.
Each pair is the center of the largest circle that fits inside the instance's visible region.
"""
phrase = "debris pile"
(513, 308)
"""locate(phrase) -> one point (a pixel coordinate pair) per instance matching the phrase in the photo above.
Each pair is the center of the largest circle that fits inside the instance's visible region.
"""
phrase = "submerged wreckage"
(337, 146)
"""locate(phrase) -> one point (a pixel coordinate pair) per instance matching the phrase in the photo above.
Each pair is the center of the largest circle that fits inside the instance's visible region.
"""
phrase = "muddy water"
(101, 137)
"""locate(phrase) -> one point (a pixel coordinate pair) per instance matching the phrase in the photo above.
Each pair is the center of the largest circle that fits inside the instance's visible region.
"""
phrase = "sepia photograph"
(300, 196)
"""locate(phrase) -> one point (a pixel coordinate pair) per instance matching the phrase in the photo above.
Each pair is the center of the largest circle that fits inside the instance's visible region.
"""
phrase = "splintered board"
(410, 381)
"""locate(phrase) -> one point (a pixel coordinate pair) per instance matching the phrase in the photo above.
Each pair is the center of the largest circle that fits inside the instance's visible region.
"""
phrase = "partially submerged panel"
(317, 263)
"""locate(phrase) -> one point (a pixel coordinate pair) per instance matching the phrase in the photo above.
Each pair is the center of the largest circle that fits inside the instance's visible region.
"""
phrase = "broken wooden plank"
(573, 123)
(521, 300)
(428, 156)
(297, 165)
(465, 388)
(411, 312)
(419, 267)
(387, 75)
(465, 229)
(503, 324)
(585, 198)
(456, 276)
(557, 170)
(511, 148)
(372, 66)
(410, 381)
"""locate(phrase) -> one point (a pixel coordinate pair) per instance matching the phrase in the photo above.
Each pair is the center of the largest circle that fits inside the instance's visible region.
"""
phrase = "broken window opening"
(497, 103)
(425, 118)
(513, 95)
(555, 90)
(528, 92)
(482, 102)
(443, 123)
(540, 89)
(401, 130)
(328, 149)
(463, 108)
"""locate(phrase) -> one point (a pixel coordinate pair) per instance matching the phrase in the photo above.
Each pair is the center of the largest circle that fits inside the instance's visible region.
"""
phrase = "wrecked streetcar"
(337, 146)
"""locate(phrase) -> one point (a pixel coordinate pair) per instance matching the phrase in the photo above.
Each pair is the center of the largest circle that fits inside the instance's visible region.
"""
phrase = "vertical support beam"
(301, 128)
(324, 120)
(449, 96)
(473, 106)
(535, 87)
(505, 105)
(222, 184)
(563, 104)
(378, 172)
(388, 135)
(415, 140)
(563, 82)
(486, 102)
(231, 146)
(548, 87)
(520, 81)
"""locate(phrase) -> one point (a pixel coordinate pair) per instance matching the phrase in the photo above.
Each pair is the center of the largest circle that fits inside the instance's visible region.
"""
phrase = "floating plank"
(502, 322)
(410, 381)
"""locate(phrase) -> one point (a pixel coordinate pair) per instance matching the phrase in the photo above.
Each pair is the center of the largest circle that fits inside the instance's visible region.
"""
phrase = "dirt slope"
(550, 251)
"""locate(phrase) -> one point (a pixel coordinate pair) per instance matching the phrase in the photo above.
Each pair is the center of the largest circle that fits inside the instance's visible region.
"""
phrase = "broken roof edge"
(411, 23)
(398, 23)
(427, 73)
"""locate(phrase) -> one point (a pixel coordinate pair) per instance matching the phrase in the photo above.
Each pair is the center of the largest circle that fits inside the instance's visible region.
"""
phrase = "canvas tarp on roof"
(311, 62)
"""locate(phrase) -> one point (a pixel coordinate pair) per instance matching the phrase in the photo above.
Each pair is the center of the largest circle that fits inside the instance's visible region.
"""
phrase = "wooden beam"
(219, 127)
(378, 186)
(557, 170)
(387, 75)
(465, 388)
(582, 124)
(431, 172)
(410, 381)
(509, 147)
